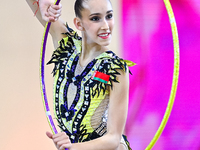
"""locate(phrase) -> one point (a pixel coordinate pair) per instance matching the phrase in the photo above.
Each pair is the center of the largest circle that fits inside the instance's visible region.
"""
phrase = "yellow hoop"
(175, 75)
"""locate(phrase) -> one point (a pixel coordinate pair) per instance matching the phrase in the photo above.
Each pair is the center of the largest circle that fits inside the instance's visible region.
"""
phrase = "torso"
(81, 95)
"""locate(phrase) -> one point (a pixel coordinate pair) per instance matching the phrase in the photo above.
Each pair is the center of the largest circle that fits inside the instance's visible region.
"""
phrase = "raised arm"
(49, 12)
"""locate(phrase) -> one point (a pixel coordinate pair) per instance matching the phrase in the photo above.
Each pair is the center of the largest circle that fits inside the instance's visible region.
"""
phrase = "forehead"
(97, 6)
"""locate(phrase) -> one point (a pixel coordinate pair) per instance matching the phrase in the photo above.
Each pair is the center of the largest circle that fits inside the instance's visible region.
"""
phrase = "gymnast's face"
(97, 22)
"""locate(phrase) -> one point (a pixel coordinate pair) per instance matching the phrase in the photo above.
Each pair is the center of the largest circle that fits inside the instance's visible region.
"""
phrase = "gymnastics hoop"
(174, 82)
(175, 75)
(42, 81)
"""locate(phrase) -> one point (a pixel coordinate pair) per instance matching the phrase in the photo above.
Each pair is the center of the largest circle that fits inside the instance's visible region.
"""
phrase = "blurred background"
(143, 35)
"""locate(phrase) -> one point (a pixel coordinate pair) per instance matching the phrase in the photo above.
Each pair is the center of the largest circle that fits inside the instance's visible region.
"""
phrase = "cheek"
(92, 28)
(111, 25)
(89, 27)
(86, 26)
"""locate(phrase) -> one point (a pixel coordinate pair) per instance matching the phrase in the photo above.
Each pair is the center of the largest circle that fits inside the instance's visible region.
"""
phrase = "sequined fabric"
(81, 102)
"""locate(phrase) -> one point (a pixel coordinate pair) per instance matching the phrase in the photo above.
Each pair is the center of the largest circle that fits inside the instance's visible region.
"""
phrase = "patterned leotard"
(81, 95)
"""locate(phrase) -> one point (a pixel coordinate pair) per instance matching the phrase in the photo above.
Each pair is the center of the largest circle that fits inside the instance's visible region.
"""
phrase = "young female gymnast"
(91, 83)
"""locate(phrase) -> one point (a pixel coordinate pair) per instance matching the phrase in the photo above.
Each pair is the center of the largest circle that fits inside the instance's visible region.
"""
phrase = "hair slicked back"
(78, 7)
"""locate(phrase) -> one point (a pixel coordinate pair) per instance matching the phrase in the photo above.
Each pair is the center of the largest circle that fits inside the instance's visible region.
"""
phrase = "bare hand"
(61, 140)
(49, 11)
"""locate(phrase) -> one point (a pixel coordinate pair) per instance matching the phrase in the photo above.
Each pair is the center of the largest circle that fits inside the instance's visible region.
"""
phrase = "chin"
(106, 43)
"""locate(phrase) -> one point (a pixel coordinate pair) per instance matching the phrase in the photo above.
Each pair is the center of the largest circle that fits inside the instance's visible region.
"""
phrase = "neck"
(90, 51)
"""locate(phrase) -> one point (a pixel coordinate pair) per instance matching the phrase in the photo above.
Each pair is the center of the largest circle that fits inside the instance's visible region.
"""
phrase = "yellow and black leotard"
(81, 98)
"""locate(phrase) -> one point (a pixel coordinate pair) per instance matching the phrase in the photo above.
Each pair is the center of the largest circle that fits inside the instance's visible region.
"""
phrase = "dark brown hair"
(78, 7)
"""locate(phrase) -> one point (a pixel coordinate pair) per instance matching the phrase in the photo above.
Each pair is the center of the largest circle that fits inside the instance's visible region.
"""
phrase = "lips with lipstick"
(104, 35)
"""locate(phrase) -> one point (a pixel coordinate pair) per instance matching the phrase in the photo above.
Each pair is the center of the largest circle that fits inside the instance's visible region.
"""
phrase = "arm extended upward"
(50, 12)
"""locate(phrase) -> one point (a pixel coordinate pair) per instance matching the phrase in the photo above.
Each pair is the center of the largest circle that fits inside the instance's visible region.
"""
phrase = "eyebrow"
(97, 14)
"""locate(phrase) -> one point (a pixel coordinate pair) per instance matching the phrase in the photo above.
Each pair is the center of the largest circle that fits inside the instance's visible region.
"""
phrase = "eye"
(109, 16)
(95, 18)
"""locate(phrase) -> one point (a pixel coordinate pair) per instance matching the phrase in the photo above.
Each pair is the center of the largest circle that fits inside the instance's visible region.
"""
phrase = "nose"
(104, 25)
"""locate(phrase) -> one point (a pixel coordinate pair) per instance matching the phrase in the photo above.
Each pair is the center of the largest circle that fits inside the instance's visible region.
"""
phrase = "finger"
(53, 10)
(49, 135)
(55, 19)
(56, 7)
(65, 146)
(52, 19)
(60, 136)
(57, 15)
(59, 141)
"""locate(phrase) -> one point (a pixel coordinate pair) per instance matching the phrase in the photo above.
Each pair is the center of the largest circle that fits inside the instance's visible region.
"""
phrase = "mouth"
(104, 35)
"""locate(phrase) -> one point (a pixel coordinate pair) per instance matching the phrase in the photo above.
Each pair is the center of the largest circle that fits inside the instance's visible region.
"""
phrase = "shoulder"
(71, 40)
(62, 33)
(71, 43)
(114, 66)
(111, 62)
